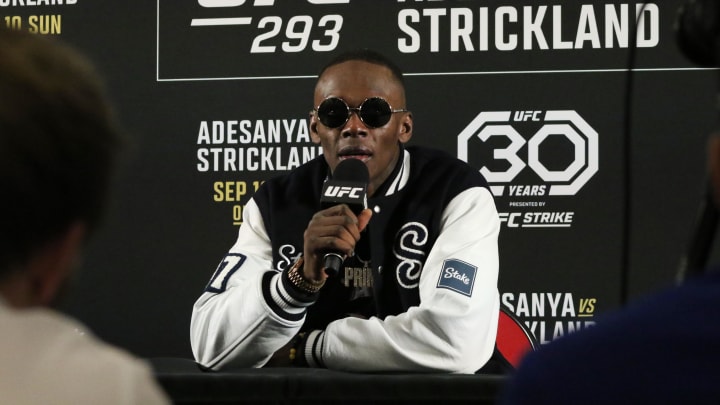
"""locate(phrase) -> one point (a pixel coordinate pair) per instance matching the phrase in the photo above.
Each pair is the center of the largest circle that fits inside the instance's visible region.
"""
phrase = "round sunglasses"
(374, 112)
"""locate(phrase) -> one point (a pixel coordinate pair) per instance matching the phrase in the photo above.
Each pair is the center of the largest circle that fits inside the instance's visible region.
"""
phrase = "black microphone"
(348, 185)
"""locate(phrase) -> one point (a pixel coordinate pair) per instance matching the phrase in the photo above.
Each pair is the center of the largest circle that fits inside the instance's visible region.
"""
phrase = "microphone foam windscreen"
(353, 170)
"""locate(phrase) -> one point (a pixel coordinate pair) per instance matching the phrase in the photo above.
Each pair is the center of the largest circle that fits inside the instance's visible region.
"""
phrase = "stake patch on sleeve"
(458, 276)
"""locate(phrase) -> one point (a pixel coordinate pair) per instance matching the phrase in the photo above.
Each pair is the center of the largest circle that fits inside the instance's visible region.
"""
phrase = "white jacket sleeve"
(449, 331)
(245, 313)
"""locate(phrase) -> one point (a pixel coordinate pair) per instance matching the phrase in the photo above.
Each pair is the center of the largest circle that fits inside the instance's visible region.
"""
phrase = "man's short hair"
(58, 142)
(370, 56)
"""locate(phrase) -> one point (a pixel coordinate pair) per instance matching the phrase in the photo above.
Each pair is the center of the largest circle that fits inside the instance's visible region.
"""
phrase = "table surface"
(186, 383)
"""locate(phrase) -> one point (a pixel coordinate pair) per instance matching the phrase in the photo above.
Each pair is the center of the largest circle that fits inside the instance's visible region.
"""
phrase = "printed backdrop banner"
(560, 105)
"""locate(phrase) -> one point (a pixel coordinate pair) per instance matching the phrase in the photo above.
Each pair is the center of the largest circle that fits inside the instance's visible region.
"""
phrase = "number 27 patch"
(230, 263)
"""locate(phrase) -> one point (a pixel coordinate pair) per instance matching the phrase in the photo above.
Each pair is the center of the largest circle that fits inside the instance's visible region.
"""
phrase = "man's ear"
(53, 264)
(313, 128)
(406, 127)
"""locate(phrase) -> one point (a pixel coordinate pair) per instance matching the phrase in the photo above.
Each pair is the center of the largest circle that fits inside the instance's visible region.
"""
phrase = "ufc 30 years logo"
(560, 173)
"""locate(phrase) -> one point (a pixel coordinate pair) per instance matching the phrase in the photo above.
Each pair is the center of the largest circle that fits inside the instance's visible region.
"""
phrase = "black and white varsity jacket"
(420, 294)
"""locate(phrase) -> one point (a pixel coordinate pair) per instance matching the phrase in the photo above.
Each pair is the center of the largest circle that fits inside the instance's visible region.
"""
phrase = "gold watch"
(296, 278)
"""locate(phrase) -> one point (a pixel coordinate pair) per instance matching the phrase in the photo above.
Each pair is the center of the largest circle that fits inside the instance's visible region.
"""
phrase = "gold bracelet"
(297, 279)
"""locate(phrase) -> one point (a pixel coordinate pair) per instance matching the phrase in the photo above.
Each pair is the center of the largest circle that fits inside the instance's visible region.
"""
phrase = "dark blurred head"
(58, 142)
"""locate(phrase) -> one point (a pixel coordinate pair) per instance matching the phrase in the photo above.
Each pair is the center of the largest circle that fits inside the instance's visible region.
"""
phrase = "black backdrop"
(542, 77)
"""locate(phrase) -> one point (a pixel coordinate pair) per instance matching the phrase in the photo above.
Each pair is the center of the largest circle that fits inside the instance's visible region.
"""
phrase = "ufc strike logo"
(566, 123)
(337, 191)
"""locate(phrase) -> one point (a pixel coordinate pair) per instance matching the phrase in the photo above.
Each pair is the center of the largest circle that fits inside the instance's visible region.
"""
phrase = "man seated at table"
(418, 286)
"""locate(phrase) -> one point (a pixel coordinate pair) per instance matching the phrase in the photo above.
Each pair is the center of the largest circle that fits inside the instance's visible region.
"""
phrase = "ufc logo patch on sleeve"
(458, 276)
